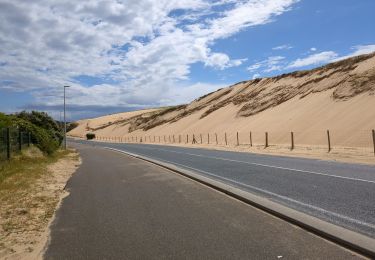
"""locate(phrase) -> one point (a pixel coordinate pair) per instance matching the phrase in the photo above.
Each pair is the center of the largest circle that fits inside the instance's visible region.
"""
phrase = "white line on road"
(264, 165)
(323, 211)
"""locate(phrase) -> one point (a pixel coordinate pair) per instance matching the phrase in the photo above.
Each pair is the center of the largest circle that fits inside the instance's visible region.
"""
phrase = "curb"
(352, 240)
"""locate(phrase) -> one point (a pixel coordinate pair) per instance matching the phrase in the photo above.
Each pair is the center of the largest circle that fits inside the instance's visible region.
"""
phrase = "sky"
(122, 55)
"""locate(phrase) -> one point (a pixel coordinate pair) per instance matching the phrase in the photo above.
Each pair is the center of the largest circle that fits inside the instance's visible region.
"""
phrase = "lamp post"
(65, 119)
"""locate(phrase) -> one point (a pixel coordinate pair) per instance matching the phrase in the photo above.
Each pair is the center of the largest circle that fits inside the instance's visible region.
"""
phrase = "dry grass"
(28, 199)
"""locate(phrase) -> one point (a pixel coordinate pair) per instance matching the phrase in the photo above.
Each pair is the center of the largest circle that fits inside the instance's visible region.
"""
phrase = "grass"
(26, 207)
(19, 174)
(28, 165)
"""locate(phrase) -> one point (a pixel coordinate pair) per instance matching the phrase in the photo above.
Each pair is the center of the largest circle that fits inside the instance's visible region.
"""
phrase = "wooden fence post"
(226, 141)
(187, 138)
(201, 139)
(329, 141)
(251, 140)
(208, 138)
(8, 143)
(216, 138)
(19, 139)
(266, 143)
(238, 141)
(373, 139)
(292, 140)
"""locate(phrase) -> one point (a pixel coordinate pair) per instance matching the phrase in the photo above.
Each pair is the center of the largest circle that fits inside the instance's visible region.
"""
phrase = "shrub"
(5, 120)
(39, 136)
(46, 137)
(71, 126)
(43, 120)
(90, 136)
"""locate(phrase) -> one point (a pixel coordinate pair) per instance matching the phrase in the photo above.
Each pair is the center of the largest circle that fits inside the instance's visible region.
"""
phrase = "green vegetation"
(45, 132)
(43, 120)
(28, 165)
(71, 126)
(90, 136)
(28, 195)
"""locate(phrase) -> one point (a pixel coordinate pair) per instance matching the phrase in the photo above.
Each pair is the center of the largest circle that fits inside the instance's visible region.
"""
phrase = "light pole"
(65, 119)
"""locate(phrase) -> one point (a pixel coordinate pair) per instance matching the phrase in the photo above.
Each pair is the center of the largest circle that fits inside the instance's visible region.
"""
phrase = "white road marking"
(264, 165)
(321, 210)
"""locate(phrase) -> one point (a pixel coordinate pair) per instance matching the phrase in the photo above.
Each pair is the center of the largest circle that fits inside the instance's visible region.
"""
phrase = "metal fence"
(12, 141)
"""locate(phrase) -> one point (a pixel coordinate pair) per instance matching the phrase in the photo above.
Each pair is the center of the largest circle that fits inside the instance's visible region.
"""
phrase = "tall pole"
(65, 119)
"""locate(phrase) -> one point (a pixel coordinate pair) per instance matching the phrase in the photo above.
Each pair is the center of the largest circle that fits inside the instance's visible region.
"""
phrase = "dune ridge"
(339, 97)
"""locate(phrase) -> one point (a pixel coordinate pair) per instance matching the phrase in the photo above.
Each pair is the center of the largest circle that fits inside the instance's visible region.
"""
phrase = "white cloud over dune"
(281, 63)
(314, 59)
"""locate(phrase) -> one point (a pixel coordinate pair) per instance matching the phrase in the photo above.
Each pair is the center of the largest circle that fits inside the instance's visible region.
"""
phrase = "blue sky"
(125, 55)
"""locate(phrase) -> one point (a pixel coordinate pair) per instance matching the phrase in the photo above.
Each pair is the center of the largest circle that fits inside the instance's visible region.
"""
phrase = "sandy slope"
(339, 97)
(90, 125)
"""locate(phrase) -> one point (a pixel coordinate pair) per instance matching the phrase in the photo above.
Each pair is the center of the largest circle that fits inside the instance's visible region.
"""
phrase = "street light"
(65, 119)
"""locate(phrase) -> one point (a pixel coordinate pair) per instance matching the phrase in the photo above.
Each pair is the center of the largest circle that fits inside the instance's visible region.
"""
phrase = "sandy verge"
(33, 211)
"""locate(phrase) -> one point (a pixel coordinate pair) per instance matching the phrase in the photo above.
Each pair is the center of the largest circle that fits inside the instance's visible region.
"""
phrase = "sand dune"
(339, 97)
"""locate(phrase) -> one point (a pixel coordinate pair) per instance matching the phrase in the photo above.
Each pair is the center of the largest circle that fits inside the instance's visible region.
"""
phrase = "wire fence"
(12, 141)
(324, 140)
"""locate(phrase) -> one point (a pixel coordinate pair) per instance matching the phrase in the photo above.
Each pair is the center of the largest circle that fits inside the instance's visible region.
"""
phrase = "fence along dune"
(339, 97)
(12, 141)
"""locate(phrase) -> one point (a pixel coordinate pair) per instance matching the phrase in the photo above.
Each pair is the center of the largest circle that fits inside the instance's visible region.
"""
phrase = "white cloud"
(190, 92)
(273, 63)
(281, 63)
(256, 75)
(363, 49)
(314, 59)
(142, 46)
(222, 61)
(330, 56)
(282, 47)
(358, 50)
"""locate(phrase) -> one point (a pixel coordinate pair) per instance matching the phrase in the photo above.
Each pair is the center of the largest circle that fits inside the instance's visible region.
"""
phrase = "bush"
(90, 136)
(5, 120)
(43, 120)
(71, 126)
(45, 133)
(39, 136)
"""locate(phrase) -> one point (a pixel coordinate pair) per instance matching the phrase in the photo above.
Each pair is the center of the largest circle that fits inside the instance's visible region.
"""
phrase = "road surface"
(120, 207)
(340, 193)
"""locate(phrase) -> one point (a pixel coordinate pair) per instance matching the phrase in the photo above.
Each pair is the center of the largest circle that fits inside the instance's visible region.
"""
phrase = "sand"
(339, 97)
(29, 240)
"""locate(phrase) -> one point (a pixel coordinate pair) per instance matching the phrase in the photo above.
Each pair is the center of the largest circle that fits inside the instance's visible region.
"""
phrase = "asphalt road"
(124, 208)
(340, 193)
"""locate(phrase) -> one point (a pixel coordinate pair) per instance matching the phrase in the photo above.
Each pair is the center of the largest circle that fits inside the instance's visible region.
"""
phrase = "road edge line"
(349, 239)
